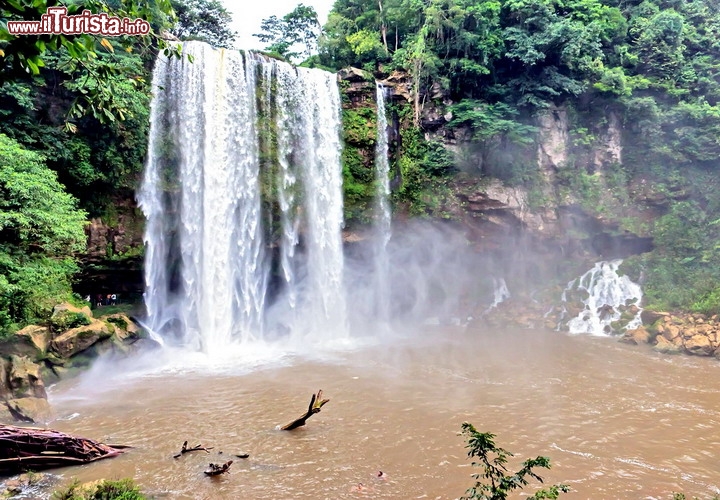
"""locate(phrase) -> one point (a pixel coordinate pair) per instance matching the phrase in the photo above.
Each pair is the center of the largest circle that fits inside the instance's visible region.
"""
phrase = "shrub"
(494, 483)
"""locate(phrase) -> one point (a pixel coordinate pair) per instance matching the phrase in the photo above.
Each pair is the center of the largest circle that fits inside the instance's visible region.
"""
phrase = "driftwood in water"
(25, 448)
(215, 469)
(315, 404)
(185, 449)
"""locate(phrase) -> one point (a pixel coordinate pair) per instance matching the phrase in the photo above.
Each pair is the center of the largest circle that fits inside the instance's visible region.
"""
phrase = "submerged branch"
(316, 402)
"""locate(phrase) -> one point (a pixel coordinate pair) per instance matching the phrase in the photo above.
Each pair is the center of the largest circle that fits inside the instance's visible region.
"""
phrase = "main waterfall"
(243, 198)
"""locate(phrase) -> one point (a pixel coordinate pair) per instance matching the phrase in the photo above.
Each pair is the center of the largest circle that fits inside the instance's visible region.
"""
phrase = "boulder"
(699, 345)
(5, 416)
(24, 379)
(29, 409)
(351, 74)
(66, 306)
(400, 84)
(78, 339)
(144, 345)
(66, 316)
(38, 336)
(670, 332)
(124, 327)
(4, 378)
(23, 484)
(20, 345)
(637, 336)
(665, 346)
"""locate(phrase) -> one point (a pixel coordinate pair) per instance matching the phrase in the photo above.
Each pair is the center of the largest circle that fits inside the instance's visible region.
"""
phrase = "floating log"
(30, 448)
(185, 449)
(215, 469)
(316, 402)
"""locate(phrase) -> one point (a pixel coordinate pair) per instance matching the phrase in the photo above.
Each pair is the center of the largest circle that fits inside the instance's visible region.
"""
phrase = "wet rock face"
(22, 391)
(109, 237)
(78, 339)
(71, 340)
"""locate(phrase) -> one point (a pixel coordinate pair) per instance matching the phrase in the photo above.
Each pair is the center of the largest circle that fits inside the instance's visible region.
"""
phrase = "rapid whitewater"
(243, 198)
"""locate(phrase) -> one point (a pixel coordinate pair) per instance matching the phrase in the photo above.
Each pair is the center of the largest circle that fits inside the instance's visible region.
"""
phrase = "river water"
(617, 421)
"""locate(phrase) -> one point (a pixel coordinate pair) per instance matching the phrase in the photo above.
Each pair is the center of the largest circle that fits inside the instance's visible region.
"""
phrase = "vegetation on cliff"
(75, 113)
(495, 66)
(40, 230)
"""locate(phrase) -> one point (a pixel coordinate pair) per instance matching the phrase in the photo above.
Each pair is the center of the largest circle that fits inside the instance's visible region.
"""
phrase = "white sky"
(248, 14)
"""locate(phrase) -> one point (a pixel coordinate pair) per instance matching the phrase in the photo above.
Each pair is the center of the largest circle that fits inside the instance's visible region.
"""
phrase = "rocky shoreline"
(41, 354)
(666, 332)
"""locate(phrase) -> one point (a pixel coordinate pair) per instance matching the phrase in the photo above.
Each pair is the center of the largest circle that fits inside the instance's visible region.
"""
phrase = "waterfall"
(501, 293)
(243, 198)
(609, 302)
(383, 214)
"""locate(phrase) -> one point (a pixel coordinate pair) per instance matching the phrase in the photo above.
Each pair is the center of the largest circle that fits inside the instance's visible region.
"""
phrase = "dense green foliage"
(495, 65)
(40, 229)
(21, 55)
(97, 147)
(205, 20)
(75, 119)
(294, 36)
(494, 482)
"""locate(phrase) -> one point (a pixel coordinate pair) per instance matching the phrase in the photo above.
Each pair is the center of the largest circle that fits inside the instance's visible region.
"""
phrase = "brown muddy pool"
(617, 421)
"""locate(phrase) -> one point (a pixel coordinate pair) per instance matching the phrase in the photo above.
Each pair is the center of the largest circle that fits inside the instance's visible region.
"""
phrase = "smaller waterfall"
(501, 293)
(383, 213)
(610, 302)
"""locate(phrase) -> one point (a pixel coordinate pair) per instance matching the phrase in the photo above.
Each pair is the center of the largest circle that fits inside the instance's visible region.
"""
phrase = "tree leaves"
(299, 28)
(206, 20)
(37, 214)
(494, 482)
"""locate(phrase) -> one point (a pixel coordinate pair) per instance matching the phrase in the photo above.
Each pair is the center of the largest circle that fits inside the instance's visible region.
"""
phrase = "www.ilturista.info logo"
(57, 22)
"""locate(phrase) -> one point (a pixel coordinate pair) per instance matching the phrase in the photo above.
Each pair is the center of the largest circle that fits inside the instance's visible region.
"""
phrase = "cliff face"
(569, 200)
(113, 260)
(573, 198)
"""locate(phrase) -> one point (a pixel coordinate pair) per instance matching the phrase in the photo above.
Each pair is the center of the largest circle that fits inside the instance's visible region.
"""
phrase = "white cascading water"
(608, 293)
(215, 248)
(501, 293)
(383, 215)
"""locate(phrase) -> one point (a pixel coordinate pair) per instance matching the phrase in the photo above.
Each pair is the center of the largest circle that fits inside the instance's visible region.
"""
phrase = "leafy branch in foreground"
(494, 483)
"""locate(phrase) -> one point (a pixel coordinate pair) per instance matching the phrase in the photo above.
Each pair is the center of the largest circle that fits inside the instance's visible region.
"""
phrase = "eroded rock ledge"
(46, 353)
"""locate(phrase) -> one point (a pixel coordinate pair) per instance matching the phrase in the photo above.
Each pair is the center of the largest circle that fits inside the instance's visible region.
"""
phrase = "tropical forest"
(455, 224)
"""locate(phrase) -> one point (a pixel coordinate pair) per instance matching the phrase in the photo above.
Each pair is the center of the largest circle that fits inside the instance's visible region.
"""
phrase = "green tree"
(23, 53)
(299, 28)
(660, 45)
(206, 20)
(40, 230)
